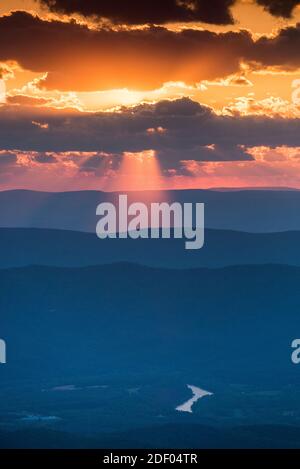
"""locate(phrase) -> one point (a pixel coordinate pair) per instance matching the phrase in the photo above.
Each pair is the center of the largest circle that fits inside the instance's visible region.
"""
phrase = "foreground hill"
(177, 435)
(60, 321)
(103, 355)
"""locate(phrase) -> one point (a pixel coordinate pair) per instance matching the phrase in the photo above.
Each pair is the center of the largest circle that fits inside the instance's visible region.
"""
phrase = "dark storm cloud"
(172, 158)
(283, 8)
(163, 11)
(80, 59)
(148, 11)
(100, 164)
(77, 58)
(190, 131)
(281, 50)
(45, 158)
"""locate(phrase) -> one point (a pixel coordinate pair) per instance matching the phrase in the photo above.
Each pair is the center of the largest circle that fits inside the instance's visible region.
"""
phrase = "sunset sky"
(115, 95)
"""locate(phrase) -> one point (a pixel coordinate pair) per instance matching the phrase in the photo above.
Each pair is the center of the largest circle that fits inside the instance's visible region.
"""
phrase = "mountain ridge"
(245, 210)
(26, 246)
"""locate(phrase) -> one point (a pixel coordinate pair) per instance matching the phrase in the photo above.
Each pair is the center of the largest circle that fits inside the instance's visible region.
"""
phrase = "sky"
(130, 95)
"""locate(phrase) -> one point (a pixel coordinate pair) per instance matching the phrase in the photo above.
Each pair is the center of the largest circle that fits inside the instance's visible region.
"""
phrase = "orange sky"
(208, 76)
(247, 15)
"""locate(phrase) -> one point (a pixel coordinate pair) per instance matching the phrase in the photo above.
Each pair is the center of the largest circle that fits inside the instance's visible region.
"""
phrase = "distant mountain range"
(238, 321)
(245, 210)
(103, 335)
(25, 246)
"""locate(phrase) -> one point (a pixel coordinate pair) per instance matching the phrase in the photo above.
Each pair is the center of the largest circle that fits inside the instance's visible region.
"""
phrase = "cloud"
(281, 50)
(273, 167)
(136, 59)
(41, 125)
(148, 11)
(283, 8)
(271, 106)
(109, 59)
(45, 158)
(24, 100)
(213, 152)
(100, 164)
(8, 165)
(160, 12)
(191, 131)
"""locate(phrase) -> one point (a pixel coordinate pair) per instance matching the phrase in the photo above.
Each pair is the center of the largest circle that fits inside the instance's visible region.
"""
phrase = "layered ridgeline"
(31, 246)
(241, 227)
(246, 210)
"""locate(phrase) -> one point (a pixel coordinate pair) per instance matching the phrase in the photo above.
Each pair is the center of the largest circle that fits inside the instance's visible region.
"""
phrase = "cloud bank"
(175, 130)
(159, 12)
(136, 59)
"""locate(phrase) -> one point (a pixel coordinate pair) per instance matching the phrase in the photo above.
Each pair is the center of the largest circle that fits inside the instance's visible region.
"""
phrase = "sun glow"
(140, 171)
